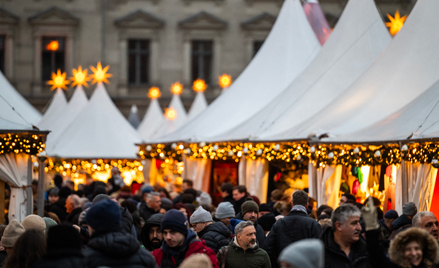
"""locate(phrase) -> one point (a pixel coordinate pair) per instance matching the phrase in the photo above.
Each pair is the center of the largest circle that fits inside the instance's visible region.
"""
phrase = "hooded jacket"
(116, 249)
(260, 234)
(378, 257)
(336, 258)
(146, 212)
(236, 257)
(61, 258)
(400, 224)
(155, 220)
(292, 228)
(216, 235)
(166, 257)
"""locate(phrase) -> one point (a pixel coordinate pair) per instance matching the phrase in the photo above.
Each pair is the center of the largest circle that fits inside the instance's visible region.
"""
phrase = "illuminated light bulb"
(199, 85)
(148, 148)
(396, 23)
(230, 153)
(154, 93)
(80, 77)
(173, 146)
(181, 146)
(170, 113)
(58, 80)
(225, 81)
(99, 74)
(177, 88)
(239, 154)
(53, 45)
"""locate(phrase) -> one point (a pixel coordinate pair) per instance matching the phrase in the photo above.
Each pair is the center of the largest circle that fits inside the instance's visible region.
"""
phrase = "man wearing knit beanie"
(307, 253)
(34, 222)
(250, 212)
(109, 244)
(11, 234)
(225, 212)
(215, 234)
(179, 242)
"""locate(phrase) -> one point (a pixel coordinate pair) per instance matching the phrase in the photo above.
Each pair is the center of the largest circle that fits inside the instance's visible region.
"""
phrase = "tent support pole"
(404, 183)
(30, 199)
(41, 160)
(2, 202)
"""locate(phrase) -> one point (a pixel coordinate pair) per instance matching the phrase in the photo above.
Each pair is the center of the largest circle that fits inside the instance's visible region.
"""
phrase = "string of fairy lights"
(70, 166)
(319, 154)
(17, 143)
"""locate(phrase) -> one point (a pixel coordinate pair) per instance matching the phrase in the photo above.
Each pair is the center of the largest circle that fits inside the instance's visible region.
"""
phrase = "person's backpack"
(223, 256)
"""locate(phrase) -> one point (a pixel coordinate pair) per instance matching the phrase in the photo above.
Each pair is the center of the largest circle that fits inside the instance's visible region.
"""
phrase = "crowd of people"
(114, 225)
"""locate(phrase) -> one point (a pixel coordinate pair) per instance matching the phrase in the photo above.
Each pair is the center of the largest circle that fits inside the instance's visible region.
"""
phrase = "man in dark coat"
(227, 192)
(63, 249)
(179, 242)
(215, 234)
(239, 196)
(250, 212)
(297, 225)
(344, 246)
(404, 221)
(109, 245)
(150, 205)
(73, 207)
(152, 236)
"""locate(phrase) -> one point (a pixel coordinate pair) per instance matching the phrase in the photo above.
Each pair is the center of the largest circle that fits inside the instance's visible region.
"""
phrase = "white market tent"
(151, 121)
(23, 113)
(170, 125)
(358, 39)
(65, 116)
(57, 104)
(99, 131)
(406, 69)
(287, 51)
(198, 105)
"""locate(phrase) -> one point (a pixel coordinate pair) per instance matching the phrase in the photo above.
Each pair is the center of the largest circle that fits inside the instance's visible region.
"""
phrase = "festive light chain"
(70, 166)
(21, 143)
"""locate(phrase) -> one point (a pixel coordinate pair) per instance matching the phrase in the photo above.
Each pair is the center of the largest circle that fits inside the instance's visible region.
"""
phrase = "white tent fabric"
(65, 116)
(287, 51)
(198, 106)
(57, 104)
(99, 131)
(254, 175)
(151, 121)
(9, 125)
(14, 170)
(14, 107)
(133, 117)
(167, 126)
(328, 185)
(358, 39)
(422, 178)
(407, 68)
(198, 170)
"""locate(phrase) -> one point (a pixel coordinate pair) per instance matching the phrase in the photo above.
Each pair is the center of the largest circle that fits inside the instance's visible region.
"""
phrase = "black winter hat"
(104, 216)
(62, 237)
(175, 220)
(264, 207)
(267, 221)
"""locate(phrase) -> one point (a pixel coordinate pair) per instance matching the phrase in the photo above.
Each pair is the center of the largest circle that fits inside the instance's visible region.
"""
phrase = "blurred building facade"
(145, 42)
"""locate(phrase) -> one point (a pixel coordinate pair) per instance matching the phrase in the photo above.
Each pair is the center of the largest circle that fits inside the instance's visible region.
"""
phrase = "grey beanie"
(49, 223)
(225, 210)
(409, 209)
(204, 199)
(307, 253)
(200, 215)
(11, 234)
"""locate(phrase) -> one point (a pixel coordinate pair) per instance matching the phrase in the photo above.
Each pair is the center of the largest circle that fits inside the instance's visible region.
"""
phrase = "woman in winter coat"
(412, 248)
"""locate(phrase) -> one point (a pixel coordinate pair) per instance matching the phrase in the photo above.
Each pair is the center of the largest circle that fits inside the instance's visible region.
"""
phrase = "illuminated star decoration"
(99, 74)
(58, 80)
(171, 114)
(177, 88)
(396, 23)
(80, 77)
(225, 80)
(154, 93)
(199, 85)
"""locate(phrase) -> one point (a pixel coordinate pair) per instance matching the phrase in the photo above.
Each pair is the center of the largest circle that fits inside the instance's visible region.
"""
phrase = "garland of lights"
(320, 155)
(31, 144)
(71, 166)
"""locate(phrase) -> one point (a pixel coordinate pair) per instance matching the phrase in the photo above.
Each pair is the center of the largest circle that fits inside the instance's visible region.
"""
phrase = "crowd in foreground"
(115, 225)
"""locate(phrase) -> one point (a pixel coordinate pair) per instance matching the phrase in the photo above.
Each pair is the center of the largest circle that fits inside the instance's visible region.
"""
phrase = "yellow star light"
(396, 23)
(177, 88)
(99, 74)
(225, 80)
(171, 114)
(58, 80)
(154, 93)
(80, 77)
(199, 85)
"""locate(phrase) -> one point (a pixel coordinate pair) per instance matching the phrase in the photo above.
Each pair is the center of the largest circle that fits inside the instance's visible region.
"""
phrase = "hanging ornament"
(356, 150)
(259, 152)
(149, 148)
(202, 144)
(299, 157)
(435, 163)
(93, 161)
(355, 186)
(404, 148)
(188, 151)
(215, 148)
(277, 147)
(173, 146)
(230, 153)
(245, 150)
(312, 149)
(331, 155)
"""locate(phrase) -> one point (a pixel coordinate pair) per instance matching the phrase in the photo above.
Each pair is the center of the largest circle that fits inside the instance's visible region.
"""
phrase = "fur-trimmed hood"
(428, 243)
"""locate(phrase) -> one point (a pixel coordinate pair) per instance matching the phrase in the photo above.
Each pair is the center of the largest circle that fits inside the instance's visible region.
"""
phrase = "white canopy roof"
(9, 125)
(405, 70)
(151, 121)
(65, 116)
(99, 131)
(358, 39)
(14, 108)
(198, 105)
(167, 126)
(287, 51)
(57, 104)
